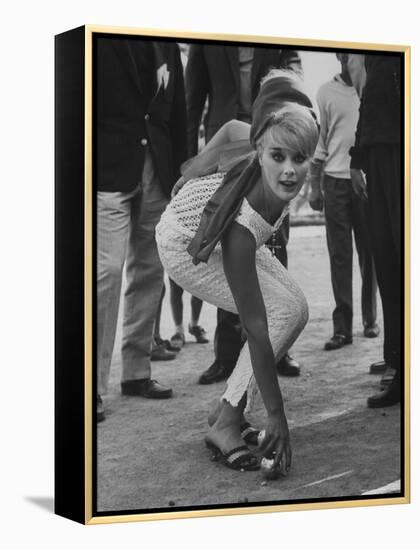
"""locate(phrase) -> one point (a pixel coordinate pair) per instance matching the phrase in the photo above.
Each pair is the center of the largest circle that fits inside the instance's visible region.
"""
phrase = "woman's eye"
(299, 159)
(278, 157)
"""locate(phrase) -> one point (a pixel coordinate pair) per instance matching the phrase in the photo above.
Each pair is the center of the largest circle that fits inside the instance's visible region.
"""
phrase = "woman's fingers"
(267, 444)
(264, 448)
(285, 460)
(277, 449)
(273, 447)
(279, 452)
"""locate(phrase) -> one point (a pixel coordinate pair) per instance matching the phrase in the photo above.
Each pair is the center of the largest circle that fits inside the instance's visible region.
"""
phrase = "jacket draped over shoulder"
(223, 207)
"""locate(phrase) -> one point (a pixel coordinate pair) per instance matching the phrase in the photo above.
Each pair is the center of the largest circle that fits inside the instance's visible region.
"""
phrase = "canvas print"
(248, 274)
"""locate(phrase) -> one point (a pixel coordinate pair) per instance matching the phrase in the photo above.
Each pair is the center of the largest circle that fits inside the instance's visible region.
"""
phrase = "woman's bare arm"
(239, 248)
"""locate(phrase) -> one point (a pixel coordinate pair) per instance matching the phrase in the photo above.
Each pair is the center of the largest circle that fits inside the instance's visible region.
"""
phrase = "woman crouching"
(222, 221)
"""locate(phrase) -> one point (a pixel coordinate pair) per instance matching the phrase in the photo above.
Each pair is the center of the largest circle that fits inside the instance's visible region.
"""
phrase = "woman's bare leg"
(225, 432)
(156, 330)
(196, 306)
(216, 410)
(176, 302)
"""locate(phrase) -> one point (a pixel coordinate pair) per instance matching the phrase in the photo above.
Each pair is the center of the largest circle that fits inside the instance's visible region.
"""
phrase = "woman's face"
(283, 170)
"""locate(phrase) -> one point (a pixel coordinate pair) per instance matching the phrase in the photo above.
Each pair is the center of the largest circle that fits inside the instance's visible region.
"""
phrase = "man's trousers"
(126, 244)
(385, 184)
(345, 214)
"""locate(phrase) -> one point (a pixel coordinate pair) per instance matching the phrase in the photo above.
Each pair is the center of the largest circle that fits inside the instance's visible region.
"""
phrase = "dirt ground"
(151, 453)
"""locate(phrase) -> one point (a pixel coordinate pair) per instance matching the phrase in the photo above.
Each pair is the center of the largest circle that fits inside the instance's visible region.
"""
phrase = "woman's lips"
(288, 183)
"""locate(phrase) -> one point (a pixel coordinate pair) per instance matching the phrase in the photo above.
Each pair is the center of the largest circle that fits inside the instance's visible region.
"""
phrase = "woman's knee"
(303, 312)
(296, 310)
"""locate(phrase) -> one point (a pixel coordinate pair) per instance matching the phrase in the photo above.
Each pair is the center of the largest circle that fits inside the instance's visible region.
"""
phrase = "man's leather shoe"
(219, 370)
(145, 388)
(388, 377)
(377, 368)
(388, 397)
(160, 353)
(337, 342)
(371, 331)
(100, 411)
(287, 366)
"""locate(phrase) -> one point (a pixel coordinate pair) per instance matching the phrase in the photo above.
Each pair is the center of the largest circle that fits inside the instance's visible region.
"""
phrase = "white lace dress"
(285, 304)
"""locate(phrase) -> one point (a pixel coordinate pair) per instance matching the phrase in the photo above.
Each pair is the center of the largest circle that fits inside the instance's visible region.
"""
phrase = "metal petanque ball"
(269, 471)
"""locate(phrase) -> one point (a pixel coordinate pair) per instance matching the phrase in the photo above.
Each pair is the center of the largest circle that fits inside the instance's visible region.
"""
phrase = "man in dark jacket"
(229, 78)
(377, 152)
(139, 144)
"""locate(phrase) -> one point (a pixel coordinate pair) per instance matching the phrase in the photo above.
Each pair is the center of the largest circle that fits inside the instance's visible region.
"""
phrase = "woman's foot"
(239, 458)
(199, 333)
(227, 445)
(166, 344)
(249, 434)
(216, 410)
(178, 339)
(226, 438)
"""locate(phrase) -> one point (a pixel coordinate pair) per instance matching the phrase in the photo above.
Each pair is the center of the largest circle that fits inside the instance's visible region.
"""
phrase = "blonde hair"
(292, 127)
(282, 73)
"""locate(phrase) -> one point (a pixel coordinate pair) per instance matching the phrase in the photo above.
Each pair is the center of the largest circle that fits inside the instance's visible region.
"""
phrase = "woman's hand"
(276, 442)
(178, 186)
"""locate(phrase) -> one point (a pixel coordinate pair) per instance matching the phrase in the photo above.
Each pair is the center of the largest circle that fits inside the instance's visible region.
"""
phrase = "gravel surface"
(151, 453)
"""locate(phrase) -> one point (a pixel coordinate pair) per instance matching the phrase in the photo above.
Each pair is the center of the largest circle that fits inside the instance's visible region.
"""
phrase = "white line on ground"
(324, 479)
(394, 487)
(321, 417)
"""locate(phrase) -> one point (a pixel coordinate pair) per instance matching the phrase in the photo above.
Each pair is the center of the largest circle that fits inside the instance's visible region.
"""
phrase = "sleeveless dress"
(285, 304)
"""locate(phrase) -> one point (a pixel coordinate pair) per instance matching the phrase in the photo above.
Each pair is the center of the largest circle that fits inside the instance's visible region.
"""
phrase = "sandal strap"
(238, 455)
(247, 429)
(249, 434)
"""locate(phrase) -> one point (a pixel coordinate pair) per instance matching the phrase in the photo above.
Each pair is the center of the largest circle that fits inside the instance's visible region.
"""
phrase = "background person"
(377, 151)
(162, 350)
(346, 208)
(226, 80)
(140, 144)
(177, 308)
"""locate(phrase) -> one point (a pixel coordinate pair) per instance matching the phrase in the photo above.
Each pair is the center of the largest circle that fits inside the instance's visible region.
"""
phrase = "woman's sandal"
(249, 434)
(239, 458)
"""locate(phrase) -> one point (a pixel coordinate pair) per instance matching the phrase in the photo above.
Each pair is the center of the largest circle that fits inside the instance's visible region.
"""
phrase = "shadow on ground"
(46, 503)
